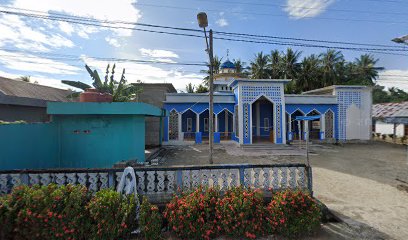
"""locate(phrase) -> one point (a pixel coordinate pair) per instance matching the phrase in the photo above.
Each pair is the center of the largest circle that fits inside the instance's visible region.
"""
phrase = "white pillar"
(197, 122)
(216, 123)
(258, 119)
(180, 130)
(290, 123)
(323, 125)
(300, 130)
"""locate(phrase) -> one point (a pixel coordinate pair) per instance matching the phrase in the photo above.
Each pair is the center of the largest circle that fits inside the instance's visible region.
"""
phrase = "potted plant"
(107, 91)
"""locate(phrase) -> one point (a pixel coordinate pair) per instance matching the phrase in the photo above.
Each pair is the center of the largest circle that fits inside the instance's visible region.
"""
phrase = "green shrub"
(404, 138)
(384, 136)
(391, 135)
(47, 212)
(292, 213)
(241, 212)
(150, 220)
(192, 215)
(378, 134)
(113, 213)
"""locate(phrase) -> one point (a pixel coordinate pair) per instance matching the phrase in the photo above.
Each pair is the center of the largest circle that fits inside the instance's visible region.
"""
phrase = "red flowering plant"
(241, 212)
(150, 220)
(47, 212)
(193, 215)
(113, 215)
(292, 213)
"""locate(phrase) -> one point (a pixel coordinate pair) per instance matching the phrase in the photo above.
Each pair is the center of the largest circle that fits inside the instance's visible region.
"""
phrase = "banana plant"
(121, 91)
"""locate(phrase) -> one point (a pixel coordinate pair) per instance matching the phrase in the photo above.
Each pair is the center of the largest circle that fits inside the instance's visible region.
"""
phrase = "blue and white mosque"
(251, 111)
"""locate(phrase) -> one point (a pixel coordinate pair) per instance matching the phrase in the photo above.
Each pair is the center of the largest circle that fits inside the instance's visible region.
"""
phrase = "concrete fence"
(159, 184)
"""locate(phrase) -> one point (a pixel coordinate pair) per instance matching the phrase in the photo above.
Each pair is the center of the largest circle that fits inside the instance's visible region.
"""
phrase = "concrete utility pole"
(203, 23)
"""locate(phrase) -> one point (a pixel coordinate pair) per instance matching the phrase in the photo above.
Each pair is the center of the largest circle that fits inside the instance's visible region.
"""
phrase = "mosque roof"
(227, 64)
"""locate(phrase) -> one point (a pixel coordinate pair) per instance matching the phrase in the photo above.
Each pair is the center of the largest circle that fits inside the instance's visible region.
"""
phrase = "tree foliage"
(190, 88)
(120, 90)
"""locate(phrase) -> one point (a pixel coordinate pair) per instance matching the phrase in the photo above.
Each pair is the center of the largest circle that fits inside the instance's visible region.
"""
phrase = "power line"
(269, 14)
(95, 22)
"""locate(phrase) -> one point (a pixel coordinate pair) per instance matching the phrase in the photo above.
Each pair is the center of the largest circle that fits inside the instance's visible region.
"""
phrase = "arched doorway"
(314, 126)
(173, 125)
(263, 129)
(297, 126)
(188, 126)
(224, 124)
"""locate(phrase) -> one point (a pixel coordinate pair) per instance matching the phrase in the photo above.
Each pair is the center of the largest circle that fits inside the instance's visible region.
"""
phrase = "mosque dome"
(227, 64)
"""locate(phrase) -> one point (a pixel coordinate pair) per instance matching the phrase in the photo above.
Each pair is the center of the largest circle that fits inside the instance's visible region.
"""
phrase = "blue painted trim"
(198, 138)
(217, 137)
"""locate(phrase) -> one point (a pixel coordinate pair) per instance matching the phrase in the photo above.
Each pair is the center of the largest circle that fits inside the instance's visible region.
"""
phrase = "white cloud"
(222, 22)
(148, 73)
(30, 63)
(16, 32)
(157, 53)
(122, 10)
(306, 8)
(112, 41)
(394, 78)
(66, 27)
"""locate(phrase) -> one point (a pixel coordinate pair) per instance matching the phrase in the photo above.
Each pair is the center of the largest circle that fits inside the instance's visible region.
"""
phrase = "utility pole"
(203, 23)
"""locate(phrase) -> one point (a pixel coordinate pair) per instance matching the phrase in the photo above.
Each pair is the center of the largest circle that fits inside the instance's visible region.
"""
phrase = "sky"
(33, 47)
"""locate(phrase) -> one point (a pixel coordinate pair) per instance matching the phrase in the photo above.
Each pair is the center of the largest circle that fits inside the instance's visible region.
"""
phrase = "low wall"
(29, 146)
(159, 184)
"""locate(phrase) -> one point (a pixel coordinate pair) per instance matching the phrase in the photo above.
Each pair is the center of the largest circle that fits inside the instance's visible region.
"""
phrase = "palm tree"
(201, 89)
(330, 61)
(25, 78)
(121, 91)
(309, 74)
(240, 67)
(216, 69)
(259, 67)
(365, 69)
(190, 88)
(275, 64)
(289, 62)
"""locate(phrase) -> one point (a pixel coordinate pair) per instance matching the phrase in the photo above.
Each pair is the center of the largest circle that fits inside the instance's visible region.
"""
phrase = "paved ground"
(366, 185)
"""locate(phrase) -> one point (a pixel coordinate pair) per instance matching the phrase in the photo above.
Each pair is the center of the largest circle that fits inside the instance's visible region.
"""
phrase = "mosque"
(251, 111)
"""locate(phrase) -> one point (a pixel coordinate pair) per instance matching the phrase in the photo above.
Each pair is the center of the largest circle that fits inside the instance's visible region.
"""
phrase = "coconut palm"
(25, 78)
(275, 65)
(190, 88)
(259, 67)
(330, 61)
(309, 74)
(216, 69)
(289, 63)
(365, 69)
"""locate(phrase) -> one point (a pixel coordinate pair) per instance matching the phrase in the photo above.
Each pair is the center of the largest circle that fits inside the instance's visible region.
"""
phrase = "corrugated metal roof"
(17, 88)
(384, 110)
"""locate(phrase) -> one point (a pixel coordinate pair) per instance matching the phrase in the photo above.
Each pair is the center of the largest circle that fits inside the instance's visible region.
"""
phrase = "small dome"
(227, 64)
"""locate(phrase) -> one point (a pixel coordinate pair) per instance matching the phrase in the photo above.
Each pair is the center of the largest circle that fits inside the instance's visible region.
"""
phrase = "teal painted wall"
(89, 141)
(32, 146)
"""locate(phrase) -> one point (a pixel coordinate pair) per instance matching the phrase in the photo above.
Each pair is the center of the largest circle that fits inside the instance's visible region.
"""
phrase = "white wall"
(388, 128)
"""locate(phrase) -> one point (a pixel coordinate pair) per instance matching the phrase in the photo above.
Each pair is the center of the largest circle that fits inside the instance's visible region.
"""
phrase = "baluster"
(82, 177)
(234, 177)
(170, 183)
(275, 178)
(15, 180)
(292, 177)
(301, 178)
(141, 181)
(60, 179)
(214, 176)
(93, 181)
(284, 177)
(205, 175)
(195, 178)
(45, 179)
(151, 175)
(3, 183)
(266, 179)
(160, 181)
(34, 179)
(257, 182)
(224, 177)
(247, 177)
(186, 179)
(103, 178)
(118, 177)
(71, 178)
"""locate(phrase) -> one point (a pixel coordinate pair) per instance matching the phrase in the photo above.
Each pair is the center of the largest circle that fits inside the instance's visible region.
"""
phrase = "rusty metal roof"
(385, 110)
(17, 88)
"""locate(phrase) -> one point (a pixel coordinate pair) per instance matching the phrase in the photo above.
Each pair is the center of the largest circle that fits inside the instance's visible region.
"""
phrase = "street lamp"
(203, 23)
(401, 40)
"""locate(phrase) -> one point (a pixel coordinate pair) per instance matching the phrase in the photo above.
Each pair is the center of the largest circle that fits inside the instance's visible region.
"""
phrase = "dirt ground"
(366, 185)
